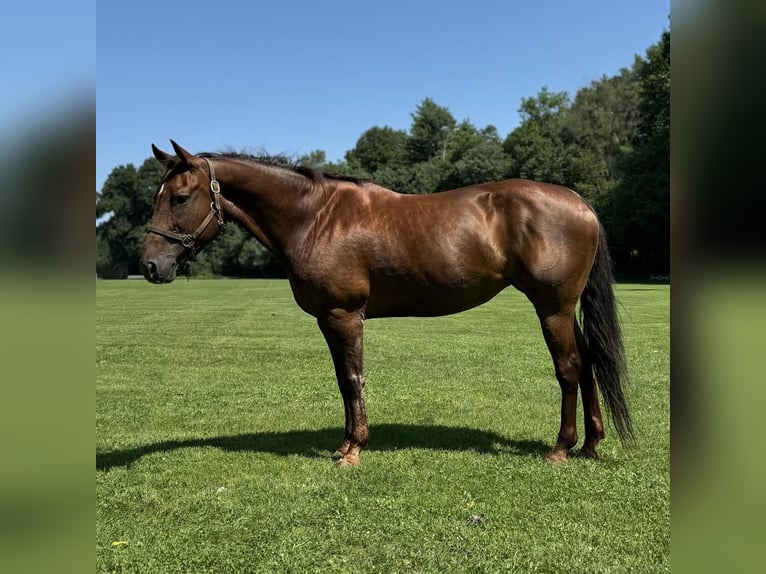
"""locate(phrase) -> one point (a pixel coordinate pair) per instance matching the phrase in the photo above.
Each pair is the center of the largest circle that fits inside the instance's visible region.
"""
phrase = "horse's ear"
(182, 154)
(164, 158)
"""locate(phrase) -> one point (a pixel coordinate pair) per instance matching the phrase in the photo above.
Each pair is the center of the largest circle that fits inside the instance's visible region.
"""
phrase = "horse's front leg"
(343, 331)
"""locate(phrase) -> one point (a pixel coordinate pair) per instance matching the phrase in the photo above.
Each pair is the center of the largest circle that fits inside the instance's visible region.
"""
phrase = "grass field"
(217, 411)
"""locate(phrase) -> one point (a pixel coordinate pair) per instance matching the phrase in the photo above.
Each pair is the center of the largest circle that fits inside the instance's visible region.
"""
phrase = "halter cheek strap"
(189, 240)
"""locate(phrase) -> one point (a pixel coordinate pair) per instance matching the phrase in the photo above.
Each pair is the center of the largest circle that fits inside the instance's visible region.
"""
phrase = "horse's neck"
(271, 203)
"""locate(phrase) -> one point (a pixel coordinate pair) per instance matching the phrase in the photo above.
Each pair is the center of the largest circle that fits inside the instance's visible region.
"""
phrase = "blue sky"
(49, 63)
(292, 77)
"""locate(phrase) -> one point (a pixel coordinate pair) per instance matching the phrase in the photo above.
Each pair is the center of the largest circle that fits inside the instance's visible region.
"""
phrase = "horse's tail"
(603, 339)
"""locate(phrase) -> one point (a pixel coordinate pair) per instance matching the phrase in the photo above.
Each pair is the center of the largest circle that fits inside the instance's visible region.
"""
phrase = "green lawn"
(217, 411)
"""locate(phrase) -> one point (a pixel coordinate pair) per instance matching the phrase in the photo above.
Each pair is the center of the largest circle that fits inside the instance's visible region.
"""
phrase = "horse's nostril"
(150, 270)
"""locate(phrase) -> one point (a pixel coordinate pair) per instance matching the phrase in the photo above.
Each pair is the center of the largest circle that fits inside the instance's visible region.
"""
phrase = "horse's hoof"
(556, 457)
(341, 451)
(348, 460)
(589, 452)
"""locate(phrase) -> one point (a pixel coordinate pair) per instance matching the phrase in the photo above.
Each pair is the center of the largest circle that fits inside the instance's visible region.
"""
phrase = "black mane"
(282, 162)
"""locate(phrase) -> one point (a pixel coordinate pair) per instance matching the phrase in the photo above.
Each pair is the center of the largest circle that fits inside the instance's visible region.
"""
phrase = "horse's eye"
(180, 199)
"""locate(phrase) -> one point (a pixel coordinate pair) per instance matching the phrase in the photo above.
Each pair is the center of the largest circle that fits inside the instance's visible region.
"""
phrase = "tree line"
(610, 143)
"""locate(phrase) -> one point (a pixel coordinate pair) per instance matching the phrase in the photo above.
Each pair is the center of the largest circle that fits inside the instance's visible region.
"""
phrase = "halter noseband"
(189, 240)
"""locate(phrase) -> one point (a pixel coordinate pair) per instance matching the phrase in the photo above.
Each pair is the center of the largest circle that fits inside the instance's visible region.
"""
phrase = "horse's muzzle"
(155, 272)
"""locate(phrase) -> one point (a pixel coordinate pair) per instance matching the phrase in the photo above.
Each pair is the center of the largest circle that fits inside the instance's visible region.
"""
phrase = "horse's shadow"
(318, 443)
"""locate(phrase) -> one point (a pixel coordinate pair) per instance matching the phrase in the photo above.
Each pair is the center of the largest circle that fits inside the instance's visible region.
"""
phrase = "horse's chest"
(317, 293)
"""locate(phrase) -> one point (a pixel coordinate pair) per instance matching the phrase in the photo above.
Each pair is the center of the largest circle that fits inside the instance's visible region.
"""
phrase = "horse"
(354, 250)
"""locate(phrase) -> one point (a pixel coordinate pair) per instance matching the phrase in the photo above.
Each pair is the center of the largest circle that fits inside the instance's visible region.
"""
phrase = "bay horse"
(354, 250)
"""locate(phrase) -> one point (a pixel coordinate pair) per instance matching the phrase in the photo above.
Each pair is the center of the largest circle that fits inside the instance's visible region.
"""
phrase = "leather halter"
(189, 240)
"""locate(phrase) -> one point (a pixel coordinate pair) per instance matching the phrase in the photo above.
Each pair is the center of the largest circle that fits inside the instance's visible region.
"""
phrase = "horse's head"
(187, 214)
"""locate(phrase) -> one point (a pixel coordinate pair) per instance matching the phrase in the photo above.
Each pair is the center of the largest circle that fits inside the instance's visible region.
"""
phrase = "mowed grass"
(217, 411)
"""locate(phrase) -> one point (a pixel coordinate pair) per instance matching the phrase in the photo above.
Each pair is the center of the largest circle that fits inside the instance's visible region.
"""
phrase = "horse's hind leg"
(594, 424)
(559, 333)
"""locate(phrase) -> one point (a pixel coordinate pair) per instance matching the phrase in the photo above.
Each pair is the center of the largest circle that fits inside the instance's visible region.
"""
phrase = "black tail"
(603, 339)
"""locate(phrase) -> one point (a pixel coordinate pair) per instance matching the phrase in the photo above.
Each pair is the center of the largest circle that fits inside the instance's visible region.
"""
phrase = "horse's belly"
(403, 296)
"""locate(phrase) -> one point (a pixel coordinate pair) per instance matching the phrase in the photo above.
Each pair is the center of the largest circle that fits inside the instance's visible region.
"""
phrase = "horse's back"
(543, 229)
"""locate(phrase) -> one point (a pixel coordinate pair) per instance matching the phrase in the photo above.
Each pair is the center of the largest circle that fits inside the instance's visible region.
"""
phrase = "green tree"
(639, 210)
(536, 148)
(431, 126)
(463, 138)
(378, 148)
(474, 156)
(397, 177)
(483, 163)
(235, 253)
(124, 208)
(600, 126)
(428, 176)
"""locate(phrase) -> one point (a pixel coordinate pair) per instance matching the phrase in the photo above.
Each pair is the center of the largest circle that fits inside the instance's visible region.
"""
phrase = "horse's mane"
(282, 162)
